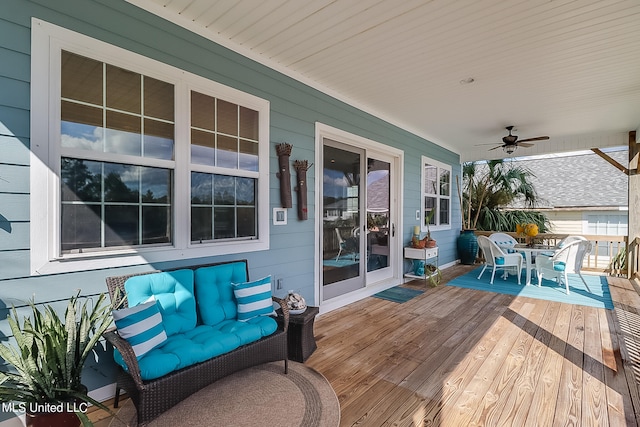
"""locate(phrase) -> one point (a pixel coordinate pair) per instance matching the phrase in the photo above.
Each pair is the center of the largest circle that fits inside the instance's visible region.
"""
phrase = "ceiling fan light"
(509, 149)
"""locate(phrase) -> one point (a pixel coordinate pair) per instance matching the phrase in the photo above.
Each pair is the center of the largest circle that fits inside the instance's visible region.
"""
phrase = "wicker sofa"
(160, 391)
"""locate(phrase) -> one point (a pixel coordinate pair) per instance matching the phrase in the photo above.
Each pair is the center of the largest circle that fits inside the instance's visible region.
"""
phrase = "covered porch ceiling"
(564, 69)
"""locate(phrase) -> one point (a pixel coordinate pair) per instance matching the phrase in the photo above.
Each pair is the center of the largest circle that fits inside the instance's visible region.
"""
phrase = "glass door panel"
(379, 226)
(342, 203)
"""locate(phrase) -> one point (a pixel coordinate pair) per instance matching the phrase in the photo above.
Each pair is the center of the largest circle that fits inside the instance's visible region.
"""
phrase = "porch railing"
(633, 259)
(609, 253)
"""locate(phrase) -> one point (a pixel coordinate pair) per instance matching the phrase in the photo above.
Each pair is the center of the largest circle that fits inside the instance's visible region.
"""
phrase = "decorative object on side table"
(48, 358)
(295, 302)
(427, 241)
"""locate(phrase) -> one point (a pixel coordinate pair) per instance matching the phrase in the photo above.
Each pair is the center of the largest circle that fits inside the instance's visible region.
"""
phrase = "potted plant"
(427, 242)
(47, 358)
(434, 274)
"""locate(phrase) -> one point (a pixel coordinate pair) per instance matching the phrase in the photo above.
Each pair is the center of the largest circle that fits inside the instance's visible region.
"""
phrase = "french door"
(358, 221)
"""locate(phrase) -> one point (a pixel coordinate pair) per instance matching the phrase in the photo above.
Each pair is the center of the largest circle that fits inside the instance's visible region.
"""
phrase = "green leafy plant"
(427, 221)
(50, 352)
(488, 188)
(434, 273)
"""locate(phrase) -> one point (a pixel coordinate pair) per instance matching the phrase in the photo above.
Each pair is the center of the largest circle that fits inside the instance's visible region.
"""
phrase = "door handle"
(393, 230)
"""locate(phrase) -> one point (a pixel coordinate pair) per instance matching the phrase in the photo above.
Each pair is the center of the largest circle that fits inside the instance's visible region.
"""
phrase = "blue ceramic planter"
(467, 247)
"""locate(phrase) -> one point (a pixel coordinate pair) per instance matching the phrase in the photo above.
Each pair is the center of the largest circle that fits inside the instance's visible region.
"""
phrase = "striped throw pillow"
(142, 326)
(253, 298)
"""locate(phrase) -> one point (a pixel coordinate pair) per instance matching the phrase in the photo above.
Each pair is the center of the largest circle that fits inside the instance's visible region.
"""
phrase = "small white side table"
(425, 255)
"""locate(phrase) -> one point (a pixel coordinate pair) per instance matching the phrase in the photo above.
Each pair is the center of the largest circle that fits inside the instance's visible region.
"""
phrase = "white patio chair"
(498, 259)
(346, 245)
(567, 259)
(504, 241)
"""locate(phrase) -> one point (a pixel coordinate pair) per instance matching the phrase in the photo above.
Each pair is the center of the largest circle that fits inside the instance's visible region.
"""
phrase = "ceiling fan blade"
(538, 138)
(524, 144)
(495, 148)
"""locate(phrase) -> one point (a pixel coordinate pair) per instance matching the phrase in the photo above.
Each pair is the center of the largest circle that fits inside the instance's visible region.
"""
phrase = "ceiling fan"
(511, 142)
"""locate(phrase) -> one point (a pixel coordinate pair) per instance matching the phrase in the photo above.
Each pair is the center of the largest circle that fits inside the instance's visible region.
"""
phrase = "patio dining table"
(529, 251)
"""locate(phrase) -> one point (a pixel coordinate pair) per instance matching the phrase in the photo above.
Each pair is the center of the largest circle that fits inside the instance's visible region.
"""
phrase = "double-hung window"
(136, 161)
(436, 195)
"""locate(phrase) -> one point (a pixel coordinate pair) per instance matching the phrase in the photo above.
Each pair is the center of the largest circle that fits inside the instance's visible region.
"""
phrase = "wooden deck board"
(453, 356)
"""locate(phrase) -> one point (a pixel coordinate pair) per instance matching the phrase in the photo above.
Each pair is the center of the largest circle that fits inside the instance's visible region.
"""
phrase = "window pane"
(203, 111)
(81, 126)
(121, 183)
(224, 223)
(201, 224)
(203, 147)
(227, 118)
(121, 225)
(123, 134)
(158, 139)
(158, 99)
(224, 190)
(245, 191)
(246, 222)
(81, 180)
(248, 155)
(444, 211)
(430, 179)
(248, 123)
(227, 152)
(155, 185)
(80, 227)
(81, 78)
(445, 182)
(201, 188)
(156, 224)
(234, 207)
(123, 90)
(430, 203)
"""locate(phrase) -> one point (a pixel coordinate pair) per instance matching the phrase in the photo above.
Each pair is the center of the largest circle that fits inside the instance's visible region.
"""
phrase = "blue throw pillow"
(142, 326)
(253, 298)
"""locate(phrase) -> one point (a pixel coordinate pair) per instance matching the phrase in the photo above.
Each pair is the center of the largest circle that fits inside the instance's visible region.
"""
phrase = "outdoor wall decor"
(301, 167)
(284, 151)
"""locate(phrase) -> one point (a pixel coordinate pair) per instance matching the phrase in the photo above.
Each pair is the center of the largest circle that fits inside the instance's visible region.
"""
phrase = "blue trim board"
(599, 296)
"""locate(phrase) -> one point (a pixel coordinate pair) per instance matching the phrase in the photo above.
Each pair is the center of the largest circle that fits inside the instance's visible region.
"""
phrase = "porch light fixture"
(509, 148)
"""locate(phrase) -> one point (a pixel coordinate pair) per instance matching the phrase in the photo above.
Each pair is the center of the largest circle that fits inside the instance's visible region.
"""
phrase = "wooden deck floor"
(459, 357)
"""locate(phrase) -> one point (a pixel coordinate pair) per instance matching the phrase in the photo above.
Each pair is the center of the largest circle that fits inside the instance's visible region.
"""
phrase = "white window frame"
(48, 41)
(441, 166)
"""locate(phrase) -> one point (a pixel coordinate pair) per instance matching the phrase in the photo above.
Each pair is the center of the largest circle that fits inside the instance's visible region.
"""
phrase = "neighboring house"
(582, 194)
(131, 144)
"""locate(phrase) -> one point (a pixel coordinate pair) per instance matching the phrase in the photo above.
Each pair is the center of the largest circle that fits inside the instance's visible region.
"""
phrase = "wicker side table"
(300, 338)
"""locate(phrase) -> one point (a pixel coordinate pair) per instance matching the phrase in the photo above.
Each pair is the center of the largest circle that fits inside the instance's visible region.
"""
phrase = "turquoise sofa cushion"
(559, 266)
(254, 298)
(218, 332)
(174, 291)
(142, 326)
(499, 260)
(200, 344)
(215, 298)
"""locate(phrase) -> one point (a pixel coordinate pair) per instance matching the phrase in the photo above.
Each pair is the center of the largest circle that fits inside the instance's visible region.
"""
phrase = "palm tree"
(488, 188)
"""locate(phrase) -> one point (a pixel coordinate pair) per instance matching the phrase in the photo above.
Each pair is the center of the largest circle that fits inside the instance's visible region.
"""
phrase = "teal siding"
(295, 108)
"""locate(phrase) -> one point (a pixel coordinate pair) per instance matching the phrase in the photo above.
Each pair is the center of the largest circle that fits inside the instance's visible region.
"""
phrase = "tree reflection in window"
(110, 204)
(222, 207)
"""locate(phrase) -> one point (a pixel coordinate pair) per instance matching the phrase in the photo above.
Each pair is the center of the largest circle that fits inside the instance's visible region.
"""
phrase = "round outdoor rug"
(262, 395)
